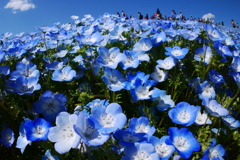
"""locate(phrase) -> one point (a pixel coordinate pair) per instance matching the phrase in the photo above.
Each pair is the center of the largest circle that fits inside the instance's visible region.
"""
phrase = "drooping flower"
(85, 128)
(66, 74)
(7, 137)
(176, 52)
(163, 149)
(37, 129)
(215, 109)
(108, 119)
(50, 105)
(140, 151)
(159, 75)
(202, 118)
(63, 133)
(184, 141)
(236, 64)
(167, 64)
(231, 122)
(215, 77)
(184, 114)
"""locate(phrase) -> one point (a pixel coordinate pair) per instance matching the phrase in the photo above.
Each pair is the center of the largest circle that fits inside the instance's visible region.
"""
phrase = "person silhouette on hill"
(140, 16)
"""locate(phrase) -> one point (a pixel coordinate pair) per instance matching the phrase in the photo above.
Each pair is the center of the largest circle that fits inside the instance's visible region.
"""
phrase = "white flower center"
(141, 129)
(176, 52)
(183, 116)
(39, 131)
(141, 155)
(162, 149)
(68, 132)
(213, 153)
(181, 143)
(107, 120)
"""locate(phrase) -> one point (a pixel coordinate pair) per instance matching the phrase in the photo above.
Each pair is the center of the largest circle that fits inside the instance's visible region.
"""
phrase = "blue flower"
(163, 149)
(206, 91)
(167, 64)
(214, 153)
(66, 74)
(7, 137)
(163, 101)
(215, 77)
(22, 141)
(236, 77)
(63, 133)
(4, 70)
(140, 151)
(85, 128)
(158, 38)
(114, 79)
(236, 64)
(184, 114)
(54, 65)
(203, 54)
(202, 119)
(110, 58)
(141, 125)
(37, 129)
(131, 60)
(144, 44)
(183, 141)
(215, 109)
(49, 156)
(25, 85)
(50, 105)
(108, 119)
(159, 75)
(176, 52)
(231, 122)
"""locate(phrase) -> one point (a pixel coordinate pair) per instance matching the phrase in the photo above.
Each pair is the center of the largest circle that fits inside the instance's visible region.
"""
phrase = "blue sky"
(18, 16)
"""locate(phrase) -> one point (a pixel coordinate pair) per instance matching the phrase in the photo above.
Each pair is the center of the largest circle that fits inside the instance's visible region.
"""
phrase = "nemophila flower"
(141, 125)
(4, 70)
(116, 33)
(225, 51)
(140, 151)
(26, 70)
(97, 102)
(114, 79)
(90, 39)
(214, 153)
(203, 54)
(158, 38)
(131, 60)
(213, 33)
(16, 51)
(49, 156)
(229, 41)
(163, 149)
(142, 91)
(22, 140)
(236, 64)
(110, 58)
(167, 64)
(144, 44)
(143, 56)
(127, 137)
(206, 91)
(25, 85)
(184, 114)
(176, 52)
(108, 119)
(159, 75)
(66, 74)
(214, 108)
(236, 77)
(63, 133)
(7, 137)
(85, 128)
(54, 65)
(194, 83)
(50, 105)
(163, 101)
(215, 77)
(138, 77)
(188, 34)
(183, 141)
(37, 129)
(231, 122)
(202, 118)
(2, 55)
(61, 53)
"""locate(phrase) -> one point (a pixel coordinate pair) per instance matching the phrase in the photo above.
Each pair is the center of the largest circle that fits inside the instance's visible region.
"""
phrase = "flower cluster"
(121, 89)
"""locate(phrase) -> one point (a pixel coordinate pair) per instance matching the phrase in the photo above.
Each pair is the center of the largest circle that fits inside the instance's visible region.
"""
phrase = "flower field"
(116, 88)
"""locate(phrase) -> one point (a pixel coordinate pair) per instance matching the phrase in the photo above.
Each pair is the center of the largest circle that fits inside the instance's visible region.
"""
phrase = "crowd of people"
(173, 16)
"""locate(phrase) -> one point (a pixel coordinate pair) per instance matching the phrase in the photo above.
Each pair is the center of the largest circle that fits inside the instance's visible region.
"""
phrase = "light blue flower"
(203, 54)
(66, 74)
(183, 141)
(184, 113)
(85, 128)
(158, 38)
(37, 129)
(215, 77)
(214, 153)
(167, 64)
(140, 151)
(131, 60)
(110, 58)
(236, 64)
(108, 119)
(231, 122)
(54, 65)
(63, 133)
(202, 118)
(176, 52)
(141, 125)
(50, 105)
(159, 75)
(206, 91)
(163, 150)
(4, 70)
(215, 109)
(144, 44)
(236, 77)
(7, 137)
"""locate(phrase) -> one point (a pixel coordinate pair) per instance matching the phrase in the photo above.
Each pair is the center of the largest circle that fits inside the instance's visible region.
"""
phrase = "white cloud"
(208, 16)
(22, 5)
